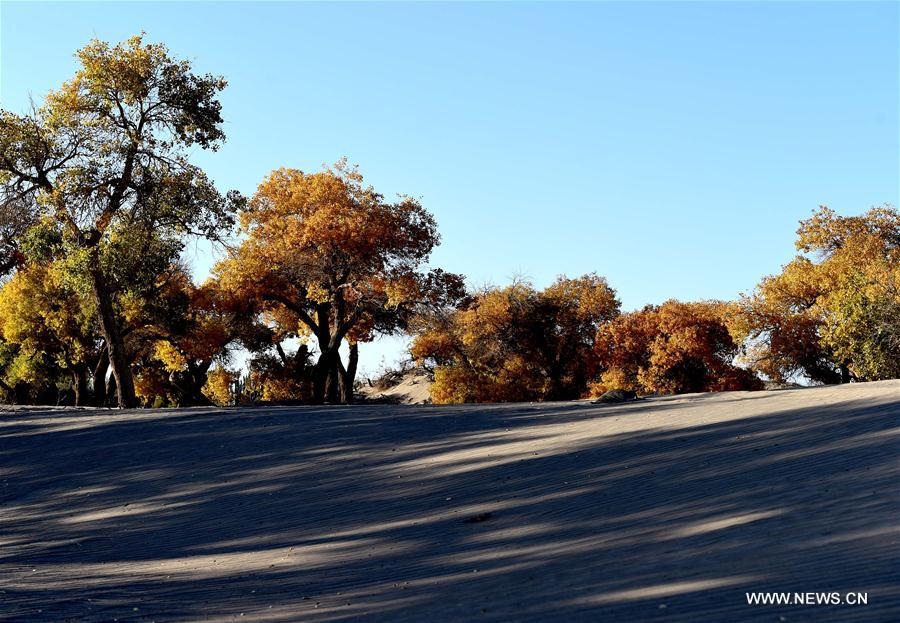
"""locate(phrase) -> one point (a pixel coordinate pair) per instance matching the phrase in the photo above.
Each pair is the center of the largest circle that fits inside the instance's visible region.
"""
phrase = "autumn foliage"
(670, 349)
(49, 332)
(326, 257)
(99, 196)
(833, 313)
(106, 158)
(516, 343)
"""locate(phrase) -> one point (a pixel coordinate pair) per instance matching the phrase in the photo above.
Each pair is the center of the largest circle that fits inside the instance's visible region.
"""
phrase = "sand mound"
(412, 389)
(664, 509)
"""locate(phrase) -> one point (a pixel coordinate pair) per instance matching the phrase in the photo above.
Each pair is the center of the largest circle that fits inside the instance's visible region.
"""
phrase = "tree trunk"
(98, 378)
(79, 385)
(331, 364)
(327, 378)
(332, 383)
(198, 377)
(110, 386)
(109, 327)
(348, 376)
(22, 391)
(320, 379)
(281, 354)
(554, 373)
(323, 369)
(845, 374)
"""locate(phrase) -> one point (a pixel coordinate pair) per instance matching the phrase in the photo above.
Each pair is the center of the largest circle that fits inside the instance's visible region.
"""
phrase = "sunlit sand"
(662, 509)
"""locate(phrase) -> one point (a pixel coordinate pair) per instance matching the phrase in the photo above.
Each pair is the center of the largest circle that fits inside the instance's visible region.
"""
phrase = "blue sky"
(670, 147)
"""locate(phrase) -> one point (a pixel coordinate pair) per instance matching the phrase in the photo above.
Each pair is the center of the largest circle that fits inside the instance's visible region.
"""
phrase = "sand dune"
(413, 389)
(667, 509)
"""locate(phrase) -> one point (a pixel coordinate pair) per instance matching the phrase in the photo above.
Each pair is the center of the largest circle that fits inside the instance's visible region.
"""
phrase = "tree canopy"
(833, 313)
(326, 256)
(99, 196)
(105, 156)
(516, 343)
(671, 349)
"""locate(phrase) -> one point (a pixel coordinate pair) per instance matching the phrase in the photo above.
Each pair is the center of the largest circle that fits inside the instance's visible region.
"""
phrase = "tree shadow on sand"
(358, 513)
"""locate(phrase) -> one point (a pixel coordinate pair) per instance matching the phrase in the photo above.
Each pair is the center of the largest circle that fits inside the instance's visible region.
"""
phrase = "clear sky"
(670, 147)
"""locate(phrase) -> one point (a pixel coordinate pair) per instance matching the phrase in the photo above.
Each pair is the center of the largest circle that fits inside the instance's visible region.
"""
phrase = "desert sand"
(667, 509)
(414, 388)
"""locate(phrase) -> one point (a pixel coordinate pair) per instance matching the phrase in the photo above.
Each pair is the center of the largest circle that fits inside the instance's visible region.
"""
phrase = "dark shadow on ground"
(357, 513)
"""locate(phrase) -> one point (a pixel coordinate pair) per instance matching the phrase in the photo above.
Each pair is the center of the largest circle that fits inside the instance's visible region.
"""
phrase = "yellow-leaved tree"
(49, 329)
(833, 313)
(107, 155)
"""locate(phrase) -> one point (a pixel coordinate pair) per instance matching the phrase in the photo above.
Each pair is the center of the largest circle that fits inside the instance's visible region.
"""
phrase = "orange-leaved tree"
(670, 349)
(516, 343)
(326, 257)
(184, 333)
